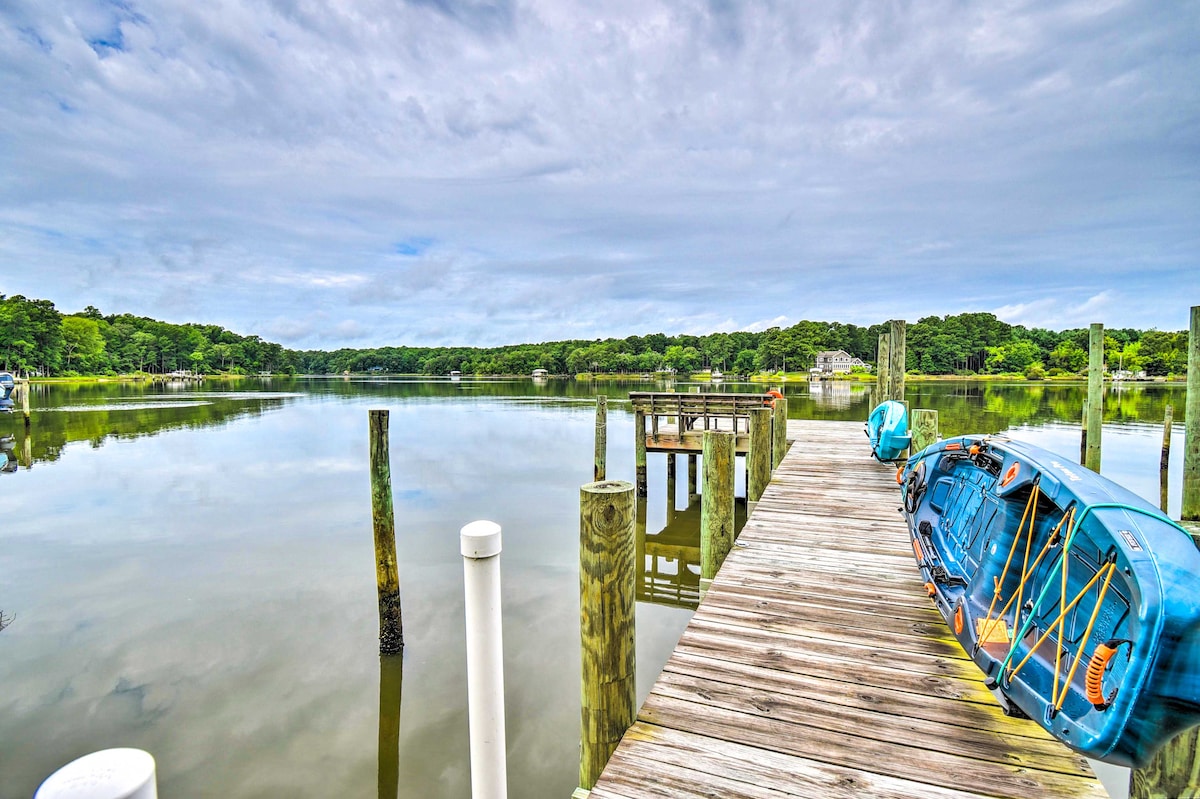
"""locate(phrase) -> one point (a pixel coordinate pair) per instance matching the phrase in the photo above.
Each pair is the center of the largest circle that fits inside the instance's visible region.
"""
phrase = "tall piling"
(778, 432)
(1164, 460)
(387, 576)
(692, 487)
(1095, 414)
(758, 459)
(639, 452)
(882, 379)
(1083, 433)
(1191, 425)
(897, 352)
(25, 402)
(601, 460)
(717, 503)
(606, 621)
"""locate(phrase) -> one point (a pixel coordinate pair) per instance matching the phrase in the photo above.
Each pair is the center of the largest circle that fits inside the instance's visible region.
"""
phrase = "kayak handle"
(1094, 680)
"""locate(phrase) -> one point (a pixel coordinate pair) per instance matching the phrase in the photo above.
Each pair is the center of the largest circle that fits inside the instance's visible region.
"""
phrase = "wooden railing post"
(387, 577)
(1191, 425)
(1164, 460)
(1095, 415)
(601, 459)
(758, 459)
(717, 504)
(924, 428)
(606, 622)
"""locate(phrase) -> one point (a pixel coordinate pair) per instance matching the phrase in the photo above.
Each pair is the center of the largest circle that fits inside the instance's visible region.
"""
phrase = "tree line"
(37, 339)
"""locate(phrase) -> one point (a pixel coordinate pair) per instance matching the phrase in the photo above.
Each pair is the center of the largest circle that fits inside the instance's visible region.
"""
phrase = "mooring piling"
(1095, 397)
(758, 459)
(480, 545)
(692, 486)
(601, 461)
(882, 378)
(897, 350)
(778, 432)
(607, 597)
(1164, 460)
(717, 504)
(24, 391)
(1191, 424)
(1083, 433)
(387, 576)
(639, 451)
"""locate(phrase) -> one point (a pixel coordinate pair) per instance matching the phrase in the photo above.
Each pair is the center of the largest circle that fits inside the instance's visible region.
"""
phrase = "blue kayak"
(887, 429)
(1078, 599)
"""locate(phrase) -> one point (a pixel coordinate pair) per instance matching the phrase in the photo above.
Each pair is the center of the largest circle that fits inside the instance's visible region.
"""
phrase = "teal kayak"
(887, 430)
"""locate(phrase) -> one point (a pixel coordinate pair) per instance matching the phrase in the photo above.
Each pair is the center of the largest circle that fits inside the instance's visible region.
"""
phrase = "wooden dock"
(817, 667)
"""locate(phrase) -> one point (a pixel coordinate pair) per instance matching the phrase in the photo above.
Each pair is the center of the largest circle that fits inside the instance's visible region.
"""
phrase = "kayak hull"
(1077, 599)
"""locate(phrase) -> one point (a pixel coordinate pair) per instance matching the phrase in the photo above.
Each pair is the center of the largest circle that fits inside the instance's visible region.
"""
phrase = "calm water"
(191, 569)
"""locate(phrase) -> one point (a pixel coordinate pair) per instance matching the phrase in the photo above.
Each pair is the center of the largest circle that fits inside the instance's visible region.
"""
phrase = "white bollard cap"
(109, 774)
(480, 539)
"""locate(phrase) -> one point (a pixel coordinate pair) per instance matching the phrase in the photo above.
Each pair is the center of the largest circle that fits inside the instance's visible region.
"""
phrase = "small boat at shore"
(1078, 599)
(887, 430)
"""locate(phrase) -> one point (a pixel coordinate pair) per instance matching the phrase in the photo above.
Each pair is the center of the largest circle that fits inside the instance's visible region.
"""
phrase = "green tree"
(82, 343)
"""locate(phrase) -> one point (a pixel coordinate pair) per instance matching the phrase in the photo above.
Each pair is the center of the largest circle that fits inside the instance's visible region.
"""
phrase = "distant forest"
(37, 339)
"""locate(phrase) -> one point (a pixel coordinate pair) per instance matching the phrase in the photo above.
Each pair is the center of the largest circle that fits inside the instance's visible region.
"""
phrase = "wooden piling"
(717, 504)
(639, 452)
(693, 492)
(758, 460)
(606, 621)
(387, 577)
(1095, 415)
(1164, 459)
(601, 461)
(882, 380)
(924, 428)
(897, 349)
(1191, 425)
(25, 402)
(778, 432)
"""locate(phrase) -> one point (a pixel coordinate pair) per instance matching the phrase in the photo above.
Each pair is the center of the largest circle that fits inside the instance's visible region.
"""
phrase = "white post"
(480, 543)
(110, 774)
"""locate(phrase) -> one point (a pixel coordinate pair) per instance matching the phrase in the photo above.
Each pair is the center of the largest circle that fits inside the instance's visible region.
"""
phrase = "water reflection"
(391, 683)
(198, 580)
(7, 446)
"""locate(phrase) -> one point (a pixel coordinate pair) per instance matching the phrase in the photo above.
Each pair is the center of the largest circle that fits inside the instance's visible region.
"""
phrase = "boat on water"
(1078, 599)
(887, 430)
(7, 384)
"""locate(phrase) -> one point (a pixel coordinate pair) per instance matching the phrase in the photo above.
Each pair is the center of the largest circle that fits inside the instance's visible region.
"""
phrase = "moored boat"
(887, 429)
(1077, 598)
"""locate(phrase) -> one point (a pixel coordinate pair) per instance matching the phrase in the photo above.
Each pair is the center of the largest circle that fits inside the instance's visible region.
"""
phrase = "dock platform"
(816, 666)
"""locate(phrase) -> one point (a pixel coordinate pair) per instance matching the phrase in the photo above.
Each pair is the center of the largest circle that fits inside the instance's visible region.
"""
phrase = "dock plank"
(816, 666)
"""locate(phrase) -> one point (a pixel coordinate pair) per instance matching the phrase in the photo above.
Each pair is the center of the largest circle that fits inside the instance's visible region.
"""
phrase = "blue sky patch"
(415, 245)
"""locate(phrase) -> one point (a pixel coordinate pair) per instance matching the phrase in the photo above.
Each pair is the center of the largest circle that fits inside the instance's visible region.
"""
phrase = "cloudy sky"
(332, 173)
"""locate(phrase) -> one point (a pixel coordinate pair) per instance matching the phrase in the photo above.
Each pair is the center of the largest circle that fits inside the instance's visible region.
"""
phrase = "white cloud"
(461, 172)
